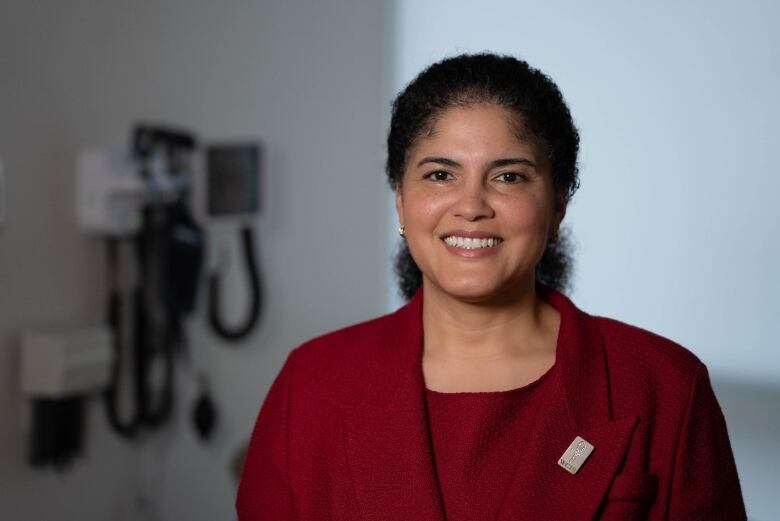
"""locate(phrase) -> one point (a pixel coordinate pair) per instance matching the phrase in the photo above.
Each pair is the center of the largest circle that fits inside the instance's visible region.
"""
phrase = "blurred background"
(676, 223)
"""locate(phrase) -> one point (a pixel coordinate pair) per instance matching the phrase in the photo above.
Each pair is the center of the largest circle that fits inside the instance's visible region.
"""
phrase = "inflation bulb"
(204, 413)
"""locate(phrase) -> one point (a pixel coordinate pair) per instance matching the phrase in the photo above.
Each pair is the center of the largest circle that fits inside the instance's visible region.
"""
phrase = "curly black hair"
(541, 114)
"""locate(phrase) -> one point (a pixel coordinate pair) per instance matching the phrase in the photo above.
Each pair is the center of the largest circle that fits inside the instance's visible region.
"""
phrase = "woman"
(489, 395)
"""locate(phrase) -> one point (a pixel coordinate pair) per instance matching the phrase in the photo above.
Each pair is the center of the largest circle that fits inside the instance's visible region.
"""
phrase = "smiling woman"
(490, 395)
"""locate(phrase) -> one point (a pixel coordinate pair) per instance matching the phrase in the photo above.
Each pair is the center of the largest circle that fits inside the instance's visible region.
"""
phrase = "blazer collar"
(389, 447)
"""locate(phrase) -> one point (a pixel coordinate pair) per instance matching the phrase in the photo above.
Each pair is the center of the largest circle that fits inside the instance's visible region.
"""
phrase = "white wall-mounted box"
(66, 362)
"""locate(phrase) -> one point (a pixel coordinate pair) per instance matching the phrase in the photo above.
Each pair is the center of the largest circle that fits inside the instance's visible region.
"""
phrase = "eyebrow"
(497, 163)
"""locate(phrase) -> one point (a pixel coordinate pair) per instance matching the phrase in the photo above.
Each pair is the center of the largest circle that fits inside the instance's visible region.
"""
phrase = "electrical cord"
(236, 333)
(155, 334)
(128, 428)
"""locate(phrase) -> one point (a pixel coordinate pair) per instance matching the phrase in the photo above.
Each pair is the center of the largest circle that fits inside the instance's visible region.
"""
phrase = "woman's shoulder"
(633, 340)
(630, 350)
(640, 358)
(630, 347)
(351, 359)
(349, 341)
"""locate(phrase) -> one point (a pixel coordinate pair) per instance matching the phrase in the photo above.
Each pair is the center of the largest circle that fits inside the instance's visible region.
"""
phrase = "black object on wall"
(57, 431)
(233, 191)
(169, 249)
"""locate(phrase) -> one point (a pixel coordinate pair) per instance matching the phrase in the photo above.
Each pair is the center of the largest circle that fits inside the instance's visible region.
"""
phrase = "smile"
(470, 243)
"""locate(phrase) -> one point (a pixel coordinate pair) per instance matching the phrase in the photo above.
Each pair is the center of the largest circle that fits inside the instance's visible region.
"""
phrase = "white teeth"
(471, 243)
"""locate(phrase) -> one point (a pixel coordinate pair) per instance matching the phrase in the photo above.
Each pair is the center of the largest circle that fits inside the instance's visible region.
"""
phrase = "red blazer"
(342, 433)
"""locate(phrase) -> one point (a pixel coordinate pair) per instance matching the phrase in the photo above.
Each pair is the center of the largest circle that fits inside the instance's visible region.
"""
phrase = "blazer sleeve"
(705, 485)
(264, 492)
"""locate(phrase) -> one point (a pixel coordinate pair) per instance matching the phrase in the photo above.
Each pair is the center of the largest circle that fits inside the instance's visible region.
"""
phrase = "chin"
(471, 291)
(479, 289)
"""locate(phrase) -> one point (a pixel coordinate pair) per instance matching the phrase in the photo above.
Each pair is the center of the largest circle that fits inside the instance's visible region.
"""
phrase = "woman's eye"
(438, 175)
(511, 177)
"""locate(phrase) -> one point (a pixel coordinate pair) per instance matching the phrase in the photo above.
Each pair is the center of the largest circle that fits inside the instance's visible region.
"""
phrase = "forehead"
(476, 130)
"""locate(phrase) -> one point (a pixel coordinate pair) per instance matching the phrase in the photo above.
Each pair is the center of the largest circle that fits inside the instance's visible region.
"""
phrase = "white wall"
(307, 78)
(677, 107)
(676, 221)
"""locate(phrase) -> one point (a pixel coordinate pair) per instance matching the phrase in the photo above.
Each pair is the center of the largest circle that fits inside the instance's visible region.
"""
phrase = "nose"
(473, 203)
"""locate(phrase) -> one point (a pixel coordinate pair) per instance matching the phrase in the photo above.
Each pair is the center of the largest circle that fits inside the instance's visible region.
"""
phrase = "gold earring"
(402, 231)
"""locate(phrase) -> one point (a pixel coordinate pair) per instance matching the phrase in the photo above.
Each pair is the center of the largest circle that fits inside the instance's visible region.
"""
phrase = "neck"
(506, 326)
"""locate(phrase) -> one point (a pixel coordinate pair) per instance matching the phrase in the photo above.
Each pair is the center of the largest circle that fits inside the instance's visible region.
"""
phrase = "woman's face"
(478, 205)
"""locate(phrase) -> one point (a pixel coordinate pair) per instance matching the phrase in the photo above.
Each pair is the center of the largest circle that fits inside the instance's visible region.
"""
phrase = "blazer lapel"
(579, 405)
(386, 437)
(541, 489)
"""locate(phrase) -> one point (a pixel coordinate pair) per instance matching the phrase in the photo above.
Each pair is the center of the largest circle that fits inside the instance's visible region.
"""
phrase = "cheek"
(528, 213)
(423, 212)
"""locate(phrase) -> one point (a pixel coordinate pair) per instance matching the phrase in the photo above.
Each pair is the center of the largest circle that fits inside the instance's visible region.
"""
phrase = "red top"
(475, 436)
(343, 432)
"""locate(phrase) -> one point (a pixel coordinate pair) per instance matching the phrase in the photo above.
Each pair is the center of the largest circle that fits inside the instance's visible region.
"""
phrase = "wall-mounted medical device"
(233, 181)
(59, 368)
(139, 201)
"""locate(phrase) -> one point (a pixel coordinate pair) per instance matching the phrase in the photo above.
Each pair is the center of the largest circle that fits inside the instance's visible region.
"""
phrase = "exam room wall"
(305, 77)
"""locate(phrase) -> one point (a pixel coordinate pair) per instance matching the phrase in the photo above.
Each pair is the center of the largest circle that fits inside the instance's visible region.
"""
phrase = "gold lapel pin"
(575, 455)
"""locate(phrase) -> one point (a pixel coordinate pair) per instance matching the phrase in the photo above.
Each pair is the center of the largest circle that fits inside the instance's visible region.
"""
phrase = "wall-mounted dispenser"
(59, 369)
